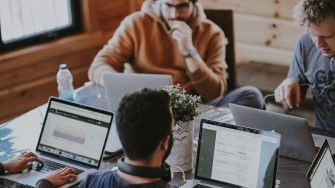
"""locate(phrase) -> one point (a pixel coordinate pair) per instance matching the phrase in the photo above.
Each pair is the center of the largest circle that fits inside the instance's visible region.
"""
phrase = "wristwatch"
(191, 54)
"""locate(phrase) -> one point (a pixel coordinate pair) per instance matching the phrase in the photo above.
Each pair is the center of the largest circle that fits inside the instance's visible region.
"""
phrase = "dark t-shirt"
(110, 179)
(311, 67)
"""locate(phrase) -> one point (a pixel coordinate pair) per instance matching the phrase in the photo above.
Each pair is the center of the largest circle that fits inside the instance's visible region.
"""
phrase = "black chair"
(224, 19)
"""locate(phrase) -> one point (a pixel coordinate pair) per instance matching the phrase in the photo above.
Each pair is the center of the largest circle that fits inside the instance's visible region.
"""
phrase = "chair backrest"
(224, 19)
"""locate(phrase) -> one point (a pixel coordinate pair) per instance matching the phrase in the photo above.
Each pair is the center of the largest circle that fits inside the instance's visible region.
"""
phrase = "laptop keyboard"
(51, 166)
(201, 186)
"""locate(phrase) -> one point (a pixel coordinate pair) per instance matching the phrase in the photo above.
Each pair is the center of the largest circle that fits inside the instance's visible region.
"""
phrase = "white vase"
(182, 149)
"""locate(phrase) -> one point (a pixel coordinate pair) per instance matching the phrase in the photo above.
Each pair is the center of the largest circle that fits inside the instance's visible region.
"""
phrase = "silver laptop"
(235, 156)
(72, 135)
(321, 173)
(297, 142)
(119, 84)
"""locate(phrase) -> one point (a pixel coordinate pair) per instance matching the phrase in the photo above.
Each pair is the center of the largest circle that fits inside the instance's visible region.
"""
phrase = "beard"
(170, 21)
(168, 151)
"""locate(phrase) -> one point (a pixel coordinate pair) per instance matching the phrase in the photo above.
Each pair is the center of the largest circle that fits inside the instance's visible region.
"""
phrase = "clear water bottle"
(65, 83)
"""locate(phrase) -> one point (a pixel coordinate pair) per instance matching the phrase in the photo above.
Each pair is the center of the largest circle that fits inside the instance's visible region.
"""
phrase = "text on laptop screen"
(323, 174)
(75, 133)
(232, 156)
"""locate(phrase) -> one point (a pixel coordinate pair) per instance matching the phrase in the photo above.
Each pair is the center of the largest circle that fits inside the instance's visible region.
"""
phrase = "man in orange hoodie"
(174, 37)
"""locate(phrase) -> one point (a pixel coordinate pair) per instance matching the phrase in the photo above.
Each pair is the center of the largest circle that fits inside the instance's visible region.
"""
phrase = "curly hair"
(308, 12)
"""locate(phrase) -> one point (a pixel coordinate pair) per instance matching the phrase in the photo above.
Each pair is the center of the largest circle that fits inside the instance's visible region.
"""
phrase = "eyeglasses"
(319, 92)
(182, 7)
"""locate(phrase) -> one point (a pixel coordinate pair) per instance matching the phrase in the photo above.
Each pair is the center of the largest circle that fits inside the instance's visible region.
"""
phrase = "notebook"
(235, 156)
(297, 142)
(118, 84)
(72, 135)
(321, 173)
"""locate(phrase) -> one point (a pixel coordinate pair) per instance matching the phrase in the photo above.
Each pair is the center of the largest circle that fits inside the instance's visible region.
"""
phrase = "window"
(24, 22)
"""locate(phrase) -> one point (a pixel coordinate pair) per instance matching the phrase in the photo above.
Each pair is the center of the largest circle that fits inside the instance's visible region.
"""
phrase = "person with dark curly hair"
(174, 37)
(313, 62)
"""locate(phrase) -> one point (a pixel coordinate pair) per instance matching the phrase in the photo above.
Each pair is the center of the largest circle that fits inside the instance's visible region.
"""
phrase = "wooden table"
(21, 134)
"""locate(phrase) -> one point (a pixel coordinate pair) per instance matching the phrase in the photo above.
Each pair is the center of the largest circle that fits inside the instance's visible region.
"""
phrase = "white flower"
(184, 106)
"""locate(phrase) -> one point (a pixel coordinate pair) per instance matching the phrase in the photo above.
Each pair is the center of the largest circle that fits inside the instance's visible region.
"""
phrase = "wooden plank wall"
(28, 75)
(264, 29)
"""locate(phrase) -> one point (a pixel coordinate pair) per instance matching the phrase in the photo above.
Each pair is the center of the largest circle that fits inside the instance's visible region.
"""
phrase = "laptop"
(235, 156)
(72, 135)
(321, 173)
(119, 84)
(297, 142)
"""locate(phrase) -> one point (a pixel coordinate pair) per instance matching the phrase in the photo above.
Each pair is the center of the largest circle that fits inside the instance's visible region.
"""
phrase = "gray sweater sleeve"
(296, 70)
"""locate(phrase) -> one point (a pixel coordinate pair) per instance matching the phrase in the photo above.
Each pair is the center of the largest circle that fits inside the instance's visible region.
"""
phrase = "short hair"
(143, 119)
(308, 12)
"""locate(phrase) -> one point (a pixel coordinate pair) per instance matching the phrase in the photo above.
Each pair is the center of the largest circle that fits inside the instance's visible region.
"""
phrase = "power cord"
(267, 96)
(110, 155)
(183, 176)
(286, 109)
(272, 95)
(305, 84)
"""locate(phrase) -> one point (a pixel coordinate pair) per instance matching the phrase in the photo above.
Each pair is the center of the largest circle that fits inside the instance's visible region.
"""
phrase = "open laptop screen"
(119, 84)
(322, 171)
(235, 155)
(75, 132)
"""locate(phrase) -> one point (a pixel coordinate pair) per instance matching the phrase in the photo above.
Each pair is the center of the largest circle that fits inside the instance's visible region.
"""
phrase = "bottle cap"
(63, 66)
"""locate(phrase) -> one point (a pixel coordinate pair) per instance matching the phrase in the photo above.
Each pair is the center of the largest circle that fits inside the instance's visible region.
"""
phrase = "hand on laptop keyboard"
(51, 166)
(20, 163)
(60, 177)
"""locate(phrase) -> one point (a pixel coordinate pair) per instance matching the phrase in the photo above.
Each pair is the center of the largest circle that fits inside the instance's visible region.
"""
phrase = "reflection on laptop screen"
(237, 156)
(75, 133)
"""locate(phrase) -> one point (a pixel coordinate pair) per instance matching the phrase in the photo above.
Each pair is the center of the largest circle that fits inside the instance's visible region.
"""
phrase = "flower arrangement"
(184, 106)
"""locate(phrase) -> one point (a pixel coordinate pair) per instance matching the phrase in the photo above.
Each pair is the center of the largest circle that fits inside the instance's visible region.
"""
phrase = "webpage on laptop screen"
(237, 157)
(74, 133)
